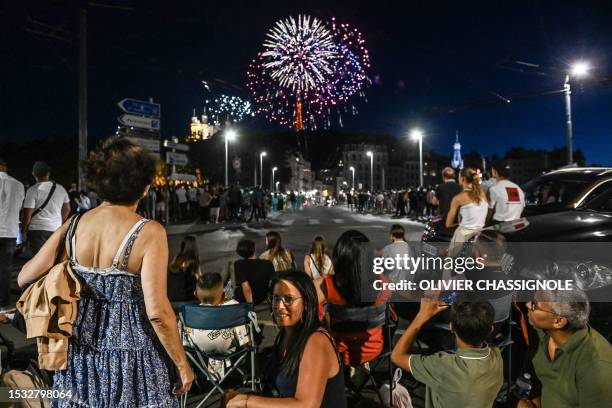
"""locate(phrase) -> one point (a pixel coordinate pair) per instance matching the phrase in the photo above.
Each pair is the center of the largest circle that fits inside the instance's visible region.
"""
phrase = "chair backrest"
(351, 319)
(204, 317)
(502, 307)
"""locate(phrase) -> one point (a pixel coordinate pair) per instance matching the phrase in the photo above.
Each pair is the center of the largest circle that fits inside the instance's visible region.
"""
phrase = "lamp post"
(371, 155)
(230, 135)
(352, 169)
(276, 186)
(261, 156)
(272, 182)
(417, 135)
(577, 70)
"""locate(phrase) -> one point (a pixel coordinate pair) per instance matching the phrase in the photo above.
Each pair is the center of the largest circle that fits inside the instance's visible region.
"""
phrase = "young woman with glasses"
(305, 370)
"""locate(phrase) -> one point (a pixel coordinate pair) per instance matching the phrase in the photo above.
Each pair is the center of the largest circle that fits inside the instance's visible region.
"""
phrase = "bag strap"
(39, 209)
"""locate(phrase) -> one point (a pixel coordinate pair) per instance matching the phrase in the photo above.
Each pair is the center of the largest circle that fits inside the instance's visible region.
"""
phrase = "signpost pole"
(82, 93)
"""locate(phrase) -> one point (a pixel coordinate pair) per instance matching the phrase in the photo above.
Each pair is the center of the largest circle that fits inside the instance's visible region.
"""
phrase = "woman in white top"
(472, 206)
(317, 263)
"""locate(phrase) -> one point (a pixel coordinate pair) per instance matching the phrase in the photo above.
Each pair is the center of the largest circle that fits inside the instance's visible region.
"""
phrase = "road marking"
(288, 222)
(338, 220)
(313, 221)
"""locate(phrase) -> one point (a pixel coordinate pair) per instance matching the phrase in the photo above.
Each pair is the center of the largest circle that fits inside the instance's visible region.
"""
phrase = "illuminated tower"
(457, 162)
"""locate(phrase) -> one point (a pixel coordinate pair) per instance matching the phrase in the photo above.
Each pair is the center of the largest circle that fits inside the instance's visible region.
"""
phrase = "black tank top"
(285, 385)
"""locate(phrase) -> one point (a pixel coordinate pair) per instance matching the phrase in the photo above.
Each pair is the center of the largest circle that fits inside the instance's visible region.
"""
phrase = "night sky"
(437, 66)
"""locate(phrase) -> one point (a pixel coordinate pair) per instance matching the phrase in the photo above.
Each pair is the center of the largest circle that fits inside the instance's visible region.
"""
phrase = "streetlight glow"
(353, 170)
(416, 135)
(273, 171)
(231, 135)
(580, 69)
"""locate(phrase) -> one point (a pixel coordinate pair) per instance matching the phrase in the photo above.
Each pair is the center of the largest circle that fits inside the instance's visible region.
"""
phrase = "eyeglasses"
(287, 300)
(533, 306)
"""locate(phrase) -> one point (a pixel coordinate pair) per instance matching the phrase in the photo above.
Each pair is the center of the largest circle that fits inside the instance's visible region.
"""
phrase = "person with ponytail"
(471, 205)
(317, 262)
(282, 259)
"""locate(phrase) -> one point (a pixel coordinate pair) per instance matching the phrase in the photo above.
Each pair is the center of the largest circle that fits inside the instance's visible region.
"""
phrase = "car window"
(601, 189)
(602, 200)
(553, 192)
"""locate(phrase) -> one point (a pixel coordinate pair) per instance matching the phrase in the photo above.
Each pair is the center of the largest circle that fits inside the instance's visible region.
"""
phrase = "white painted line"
(313, 221)
(288, 222)
(338, 220)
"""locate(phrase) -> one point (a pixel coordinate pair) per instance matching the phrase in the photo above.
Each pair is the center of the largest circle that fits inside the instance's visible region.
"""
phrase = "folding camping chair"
(203, 317)
(356, 319)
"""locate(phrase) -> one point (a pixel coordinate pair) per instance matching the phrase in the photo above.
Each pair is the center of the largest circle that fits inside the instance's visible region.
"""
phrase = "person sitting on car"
(506, 199)
(573, 361)
(471, 206)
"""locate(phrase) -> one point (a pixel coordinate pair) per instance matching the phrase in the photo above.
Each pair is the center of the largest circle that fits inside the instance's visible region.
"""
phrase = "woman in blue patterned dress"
(125, 349)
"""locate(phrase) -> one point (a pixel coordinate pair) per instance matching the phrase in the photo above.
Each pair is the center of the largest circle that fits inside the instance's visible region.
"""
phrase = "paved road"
(297, 229)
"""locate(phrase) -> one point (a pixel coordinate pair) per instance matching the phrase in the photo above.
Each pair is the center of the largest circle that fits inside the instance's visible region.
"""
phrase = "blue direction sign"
(140, 107)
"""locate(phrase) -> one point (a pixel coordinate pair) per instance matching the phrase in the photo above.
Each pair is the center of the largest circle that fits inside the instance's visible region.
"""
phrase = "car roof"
(597, 171)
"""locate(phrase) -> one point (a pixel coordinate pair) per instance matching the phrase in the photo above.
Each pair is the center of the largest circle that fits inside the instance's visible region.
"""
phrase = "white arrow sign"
(151, 144)
(182, 177)
(139, 122)
(179, 159)
(178, 146)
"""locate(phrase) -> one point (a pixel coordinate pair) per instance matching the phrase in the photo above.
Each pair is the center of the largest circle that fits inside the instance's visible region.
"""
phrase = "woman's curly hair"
(119, 171)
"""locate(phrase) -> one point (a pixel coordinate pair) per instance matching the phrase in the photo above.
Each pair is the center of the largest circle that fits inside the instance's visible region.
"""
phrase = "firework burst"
(228, 108)
(321, 65)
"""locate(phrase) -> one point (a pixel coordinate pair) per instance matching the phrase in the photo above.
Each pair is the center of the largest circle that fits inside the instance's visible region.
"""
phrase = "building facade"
(356, 156)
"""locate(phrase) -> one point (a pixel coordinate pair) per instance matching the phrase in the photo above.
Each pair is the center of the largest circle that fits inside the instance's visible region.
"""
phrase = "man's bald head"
(448, 173)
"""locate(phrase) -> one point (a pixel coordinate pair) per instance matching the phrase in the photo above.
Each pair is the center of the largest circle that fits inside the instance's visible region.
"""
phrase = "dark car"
(573, 244)
(565, 189)
(557, 191)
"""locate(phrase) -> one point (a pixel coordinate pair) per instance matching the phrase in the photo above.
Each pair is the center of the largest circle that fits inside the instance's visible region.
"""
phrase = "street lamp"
(276, 186)
(352, 169)
(417, 135)
(272, 183)
(261, 156)
(577, 70)
(371, 155)
(230, 135)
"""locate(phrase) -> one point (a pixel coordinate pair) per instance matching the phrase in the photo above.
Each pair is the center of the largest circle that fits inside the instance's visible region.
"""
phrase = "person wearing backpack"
(45, 209)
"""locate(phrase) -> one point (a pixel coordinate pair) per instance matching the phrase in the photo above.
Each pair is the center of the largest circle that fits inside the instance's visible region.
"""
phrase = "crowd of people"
(424, 203)
(214, 204)
(125, 346)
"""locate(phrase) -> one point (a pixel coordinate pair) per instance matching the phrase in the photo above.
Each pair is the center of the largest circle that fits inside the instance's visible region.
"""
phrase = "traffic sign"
(129, 105)
(139, 122)
(150, 144)
(140, 133)
(182, 177)
(180, 159)
(178, 146)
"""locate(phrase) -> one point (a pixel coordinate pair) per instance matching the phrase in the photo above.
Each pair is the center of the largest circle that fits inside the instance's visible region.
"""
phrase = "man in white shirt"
(397, 247)
(181, 198)
(45, 208)
(11, 198)
(506, 199)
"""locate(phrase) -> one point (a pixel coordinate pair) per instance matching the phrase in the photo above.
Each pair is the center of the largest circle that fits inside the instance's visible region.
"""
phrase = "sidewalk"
(386, 217)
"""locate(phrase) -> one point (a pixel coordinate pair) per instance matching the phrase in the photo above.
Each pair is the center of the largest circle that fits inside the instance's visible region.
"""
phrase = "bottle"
(523, 386)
